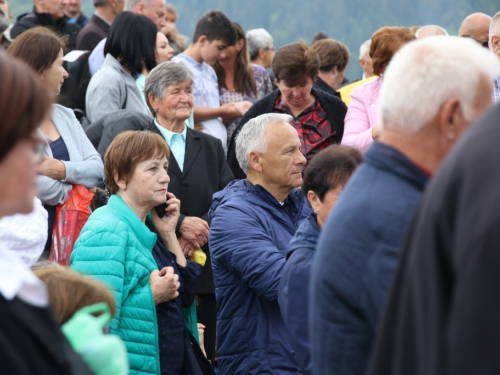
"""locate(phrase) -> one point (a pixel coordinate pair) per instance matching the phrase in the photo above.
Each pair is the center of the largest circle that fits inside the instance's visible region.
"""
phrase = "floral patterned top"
(264, 87)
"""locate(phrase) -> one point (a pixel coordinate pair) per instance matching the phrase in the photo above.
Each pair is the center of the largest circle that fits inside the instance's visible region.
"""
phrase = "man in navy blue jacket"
(432, 90)
(253, 221)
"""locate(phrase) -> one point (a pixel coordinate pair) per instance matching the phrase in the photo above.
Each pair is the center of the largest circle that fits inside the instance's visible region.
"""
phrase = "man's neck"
(279, 193)
(106, 14)
(194, 52)
(326, 78)
(420, 148)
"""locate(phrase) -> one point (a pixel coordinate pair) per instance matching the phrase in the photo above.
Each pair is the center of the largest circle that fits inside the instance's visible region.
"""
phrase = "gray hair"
(131, 4)
(430, 30)
(364, 49)
(257, 39)
(251, 137)
(4, 22)
(426, 73)
(171, 8)
(164, 75)
(495, 26)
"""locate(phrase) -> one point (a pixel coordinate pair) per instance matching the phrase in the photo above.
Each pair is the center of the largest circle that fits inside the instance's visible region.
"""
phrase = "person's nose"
(65, 74)
(302, 159)
(164, 178)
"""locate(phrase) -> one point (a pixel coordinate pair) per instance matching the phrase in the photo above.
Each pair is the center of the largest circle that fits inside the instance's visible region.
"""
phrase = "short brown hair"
(126, 151)
(38, 47)
(385, 43)
(24, 103)
(294, 63)
(331, 53)
(70, 291)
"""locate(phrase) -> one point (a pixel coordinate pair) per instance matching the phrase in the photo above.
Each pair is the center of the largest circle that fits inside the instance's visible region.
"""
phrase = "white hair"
(425, 73)
(495, 26)
(131, 4)
(251, 137)
(430, 30)
(364, 49)
(257, 39)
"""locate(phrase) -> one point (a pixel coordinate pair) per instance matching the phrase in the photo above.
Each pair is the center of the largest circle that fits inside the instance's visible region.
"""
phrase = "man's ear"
(451, 119)
(202, 40)
(313, 200)
(495, 44)
(140, 8)
(254, 161)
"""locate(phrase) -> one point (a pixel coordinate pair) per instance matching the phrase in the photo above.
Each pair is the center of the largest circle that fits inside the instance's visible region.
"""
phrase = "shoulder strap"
(126, 98)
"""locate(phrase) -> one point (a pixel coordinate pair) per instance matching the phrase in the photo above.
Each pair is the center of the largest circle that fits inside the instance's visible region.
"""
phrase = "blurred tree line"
(351, 21)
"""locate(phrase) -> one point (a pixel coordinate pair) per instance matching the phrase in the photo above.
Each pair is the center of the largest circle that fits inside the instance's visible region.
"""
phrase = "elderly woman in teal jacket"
(116, 243)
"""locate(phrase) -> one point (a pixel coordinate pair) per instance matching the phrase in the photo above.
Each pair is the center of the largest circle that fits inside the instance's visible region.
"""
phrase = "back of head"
(251, 137)
(257, 39)
(294, 63)
(215, 26)
(70, 291)
(132, 41)
(385, 42)
(131, 4)
(330, 168)
(364, 49)
(38, 47)
(320, 35)
(24, 103)
(475, 25)
(425, 74)
(332, 53)
(430, 30)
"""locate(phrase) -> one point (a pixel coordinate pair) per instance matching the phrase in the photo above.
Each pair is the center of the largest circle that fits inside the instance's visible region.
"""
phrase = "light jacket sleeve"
(357, 126)
(240, 244)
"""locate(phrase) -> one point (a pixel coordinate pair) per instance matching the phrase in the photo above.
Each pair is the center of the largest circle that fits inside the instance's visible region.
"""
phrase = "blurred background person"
(69, 157)
(495, 48)
(98, 26)
(361, 120)
(320, 35)
(5, 26)
(31, 341)
(75, 14)
(333, 57)
(360, 245)
(153, 9)
(430, 30)
(318, 117)
(128, 53)
(324, 179)
(50, 14)
(477, 27)
(178, 41)
(238, 79)
(260, 47)
(147, 295)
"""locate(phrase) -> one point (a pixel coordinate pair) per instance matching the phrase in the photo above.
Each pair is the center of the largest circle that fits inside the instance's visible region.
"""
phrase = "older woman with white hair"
(260, 47)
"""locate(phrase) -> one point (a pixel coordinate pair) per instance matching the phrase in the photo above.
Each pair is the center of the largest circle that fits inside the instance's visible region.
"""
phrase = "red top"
(315, 131)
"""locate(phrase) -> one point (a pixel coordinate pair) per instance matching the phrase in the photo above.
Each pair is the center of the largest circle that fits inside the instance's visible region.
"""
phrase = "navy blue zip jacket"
(356, 259)
(249, 236)
(293, 296)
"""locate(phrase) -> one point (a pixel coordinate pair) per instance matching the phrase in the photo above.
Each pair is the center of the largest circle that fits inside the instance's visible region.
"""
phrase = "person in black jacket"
(48, 14)
(318, 117)
(31, 341)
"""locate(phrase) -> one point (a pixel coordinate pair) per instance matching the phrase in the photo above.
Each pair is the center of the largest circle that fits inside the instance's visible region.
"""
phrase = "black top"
(173, 335)
(323, 86)
(32, 19)
(334, 107)
(31, 342)
(59, 152)
(442, 314)
(90, 36)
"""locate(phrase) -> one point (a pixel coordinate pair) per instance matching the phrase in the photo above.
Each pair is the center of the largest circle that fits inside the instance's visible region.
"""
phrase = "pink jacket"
(362, 116)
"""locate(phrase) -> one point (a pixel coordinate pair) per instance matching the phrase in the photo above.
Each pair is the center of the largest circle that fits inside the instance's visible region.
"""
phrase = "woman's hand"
(52, 168)
(243, 107)
(166, 225)
(164, 285)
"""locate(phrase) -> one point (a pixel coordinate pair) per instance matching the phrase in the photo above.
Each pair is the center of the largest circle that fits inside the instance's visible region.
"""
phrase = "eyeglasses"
(485, 44)
(38, 146)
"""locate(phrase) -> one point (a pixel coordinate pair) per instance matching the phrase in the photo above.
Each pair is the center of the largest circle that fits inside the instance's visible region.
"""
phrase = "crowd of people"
(254, 211)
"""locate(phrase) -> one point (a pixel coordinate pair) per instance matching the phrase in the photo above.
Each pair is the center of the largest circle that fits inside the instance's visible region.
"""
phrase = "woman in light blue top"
(69, 158)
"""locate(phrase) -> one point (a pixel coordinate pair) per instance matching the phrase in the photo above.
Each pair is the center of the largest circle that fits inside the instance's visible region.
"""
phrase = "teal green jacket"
(115, 246)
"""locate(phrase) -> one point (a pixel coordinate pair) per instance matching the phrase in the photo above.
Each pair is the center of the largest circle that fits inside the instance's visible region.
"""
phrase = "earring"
(316, 212)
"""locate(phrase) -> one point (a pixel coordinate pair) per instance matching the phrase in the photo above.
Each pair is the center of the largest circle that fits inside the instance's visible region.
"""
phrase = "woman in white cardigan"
(69, 158)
